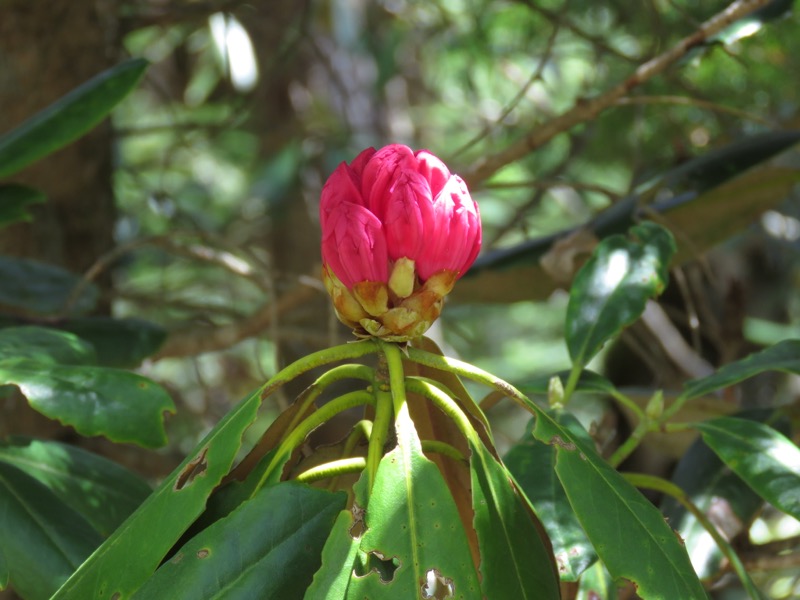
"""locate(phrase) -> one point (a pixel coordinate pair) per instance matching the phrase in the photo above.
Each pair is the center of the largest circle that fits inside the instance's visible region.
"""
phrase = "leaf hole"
(203, 553)
(358, 527)
(376, 562)
(196, 467)
(437, 586)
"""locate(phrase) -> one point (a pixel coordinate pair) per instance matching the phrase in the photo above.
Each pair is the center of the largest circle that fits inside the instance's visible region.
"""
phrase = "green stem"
(667, 487)
(446, 404)
(628, 446)
(673, 408)
(309, 424)
(335, 468)
(572, 382)
(442, 448)
(380, 427)
(394, 364)
(362, 429)
(629, 404)
(317, 359)
(473, 373)
(312, 392)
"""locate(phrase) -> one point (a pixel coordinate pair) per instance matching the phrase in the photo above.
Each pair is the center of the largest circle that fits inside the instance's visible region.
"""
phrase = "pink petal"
(380, 173)
(434, 170)
(409, 210)
(354, 246)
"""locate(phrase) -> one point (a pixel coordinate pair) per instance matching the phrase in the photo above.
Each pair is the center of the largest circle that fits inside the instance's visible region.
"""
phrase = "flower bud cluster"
(398, 230)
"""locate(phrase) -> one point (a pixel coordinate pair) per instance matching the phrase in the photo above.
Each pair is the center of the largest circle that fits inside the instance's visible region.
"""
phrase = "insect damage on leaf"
(376, 562)
(196, 467)
(358, 527)
(437, 586)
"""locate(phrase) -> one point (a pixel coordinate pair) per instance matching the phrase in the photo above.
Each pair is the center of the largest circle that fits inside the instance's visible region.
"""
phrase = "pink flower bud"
(398, 230)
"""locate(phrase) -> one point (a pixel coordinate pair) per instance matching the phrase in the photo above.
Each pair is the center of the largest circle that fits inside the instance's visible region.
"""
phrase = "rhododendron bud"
(398, 230)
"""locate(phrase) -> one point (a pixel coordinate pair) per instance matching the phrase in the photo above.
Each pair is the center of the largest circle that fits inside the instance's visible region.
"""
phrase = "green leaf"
(532, 464)
(589, 382)
(119, 405)
(515, 560)
(4, 574)
(14, 199)
(46, 346)
(101, 491)
(269, 547)
(710, 485)
(43, 540)
(150, 532)
(38, 288)
(611, 289)
(122, 343)
(783, 356)
(764, 458)
(628, 533)
(68, 118)
(414, 535)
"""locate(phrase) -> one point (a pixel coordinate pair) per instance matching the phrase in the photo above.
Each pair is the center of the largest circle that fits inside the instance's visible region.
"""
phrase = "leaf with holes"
(622, 525)
(764, 458)
(269, 547)
(43, 540)
(783, 356)
(532, 463)
(414, 544)
(147, 534)
(516, 559)
(611, 289)
(119, 405)
(101, 491)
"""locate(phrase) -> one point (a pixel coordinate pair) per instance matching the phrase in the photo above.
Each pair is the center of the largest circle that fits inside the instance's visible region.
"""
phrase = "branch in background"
(585, 110)
(197, 340)
(688, 101)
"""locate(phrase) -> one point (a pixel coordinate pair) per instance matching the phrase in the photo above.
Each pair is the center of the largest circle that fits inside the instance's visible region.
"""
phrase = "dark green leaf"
(516, 561)
(122, 343)
(46, 346)
(14, 199)
(764, 458)
(69, 117)
(711, 486)
(532, 463)
(783, 356)
(669, 194)
(120, 405)
(43, 540)
(622, 525)
(103, 492)
(269, 547)
(38, 288)
(611, 289)
(150, 532)
(589, 381)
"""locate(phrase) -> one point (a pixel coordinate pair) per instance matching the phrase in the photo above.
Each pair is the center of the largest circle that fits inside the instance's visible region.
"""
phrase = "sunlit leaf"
(147, 534)
(101, 491)
(763, 457)
(122, 406)
(611, 289)
(532, 463)
(69, 117)
(43, 540)
(783, 356)
(269, 547)
(622, 525)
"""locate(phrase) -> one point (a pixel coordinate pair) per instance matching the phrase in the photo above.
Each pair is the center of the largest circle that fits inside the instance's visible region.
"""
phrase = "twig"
(584, 110)
(193, 341)
(687, 101)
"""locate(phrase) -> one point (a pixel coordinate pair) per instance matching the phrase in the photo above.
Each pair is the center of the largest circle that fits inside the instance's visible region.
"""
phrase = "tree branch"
(584, 110)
